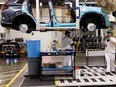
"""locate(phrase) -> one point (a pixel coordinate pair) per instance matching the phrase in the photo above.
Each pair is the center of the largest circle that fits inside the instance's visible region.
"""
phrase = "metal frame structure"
(38, 27)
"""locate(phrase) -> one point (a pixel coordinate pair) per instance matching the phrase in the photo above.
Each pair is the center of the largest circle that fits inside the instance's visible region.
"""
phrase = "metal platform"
(91, 76)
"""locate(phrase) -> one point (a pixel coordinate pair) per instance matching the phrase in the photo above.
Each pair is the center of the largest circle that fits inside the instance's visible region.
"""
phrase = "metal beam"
(77, 15)
(37, 15)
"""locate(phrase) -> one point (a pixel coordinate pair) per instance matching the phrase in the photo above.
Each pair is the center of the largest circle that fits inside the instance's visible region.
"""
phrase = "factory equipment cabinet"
(65, 70)
(95, 54)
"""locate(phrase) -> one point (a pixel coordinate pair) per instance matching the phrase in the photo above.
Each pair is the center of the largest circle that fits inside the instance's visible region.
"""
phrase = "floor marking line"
(57, 83)
(8, 85)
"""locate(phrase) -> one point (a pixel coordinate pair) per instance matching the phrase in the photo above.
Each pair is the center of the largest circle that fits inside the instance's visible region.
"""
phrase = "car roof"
(15, 1)
(11, 1)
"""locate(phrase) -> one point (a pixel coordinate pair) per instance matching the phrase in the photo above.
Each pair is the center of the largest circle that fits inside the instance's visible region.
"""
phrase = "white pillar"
(40, 11)
(77, 15)
(37, 15)
(7, 34)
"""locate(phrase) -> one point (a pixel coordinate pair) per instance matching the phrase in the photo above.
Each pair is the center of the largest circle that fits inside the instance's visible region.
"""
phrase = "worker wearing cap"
(67, 43)
(110, 52)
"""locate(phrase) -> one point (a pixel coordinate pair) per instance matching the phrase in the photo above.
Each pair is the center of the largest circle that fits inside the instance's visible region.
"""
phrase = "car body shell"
(15, 10)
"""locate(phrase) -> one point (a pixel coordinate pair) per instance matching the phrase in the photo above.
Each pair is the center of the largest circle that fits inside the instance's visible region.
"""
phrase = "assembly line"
(58, 43)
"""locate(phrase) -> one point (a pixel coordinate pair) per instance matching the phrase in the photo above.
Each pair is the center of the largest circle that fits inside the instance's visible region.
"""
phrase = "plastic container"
(33, 48)
(54, 47)
(59, 64)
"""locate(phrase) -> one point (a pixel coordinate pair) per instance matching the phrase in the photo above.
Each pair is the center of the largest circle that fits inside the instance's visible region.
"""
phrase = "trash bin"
(34, 66)
(34, 58)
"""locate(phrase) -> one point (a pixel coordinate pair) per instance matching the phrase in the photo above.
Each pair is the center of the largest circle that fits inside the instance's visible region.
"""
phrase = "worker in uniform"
(67, 43)
(110, 52)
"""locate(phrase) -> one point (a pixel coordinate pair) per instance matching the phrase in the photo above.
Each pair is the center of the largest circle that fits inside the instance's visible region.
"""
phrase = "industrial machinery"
(10, 50)
(89, 42)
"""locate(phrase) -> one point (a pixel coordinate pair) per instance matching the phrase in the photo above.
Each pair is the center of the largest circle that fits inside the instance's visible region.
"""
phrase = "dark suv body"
(13, 14)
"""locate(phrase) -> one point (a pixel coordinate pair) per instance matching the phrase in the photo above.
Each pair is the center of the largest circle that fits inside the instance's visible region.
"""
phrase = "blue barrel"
(33, 48)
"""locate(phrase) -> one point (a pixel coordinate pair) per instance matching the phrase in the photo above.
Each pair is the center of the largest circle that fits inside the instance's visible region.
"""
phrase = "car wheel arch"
(23, 18)
(96, 17)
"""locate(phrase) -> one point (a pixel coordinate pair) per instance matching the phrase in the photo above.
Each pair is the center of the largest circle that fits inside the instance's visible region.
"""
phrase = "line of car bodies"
(17, 14)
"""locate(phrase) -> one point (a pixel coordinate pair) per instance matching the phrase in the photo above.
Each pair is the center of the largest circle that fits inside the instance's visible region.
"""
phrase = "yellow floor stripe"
(56, 81)
(8, 85)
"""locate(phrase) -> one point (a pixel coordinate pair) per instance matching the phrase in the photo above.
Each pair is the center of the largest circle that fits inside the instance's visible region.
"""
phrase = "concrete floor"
(9, 67)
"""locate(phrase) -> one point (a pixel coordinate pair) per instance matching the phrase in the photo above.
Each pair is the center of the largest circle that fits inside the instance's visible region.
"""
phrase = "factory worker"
(110, 52)
(67, 43)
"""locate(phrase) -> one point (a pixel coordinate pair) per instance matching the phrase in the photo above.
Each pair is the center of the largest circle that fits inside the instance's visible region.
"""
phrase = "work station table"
(64, 70)
(35, 66)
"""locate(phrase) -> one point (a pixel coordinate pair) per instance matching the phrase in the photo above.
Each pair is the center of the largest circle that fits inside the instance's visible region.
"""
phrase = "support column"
(37, 15)
(77, 15)
(7, 34)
